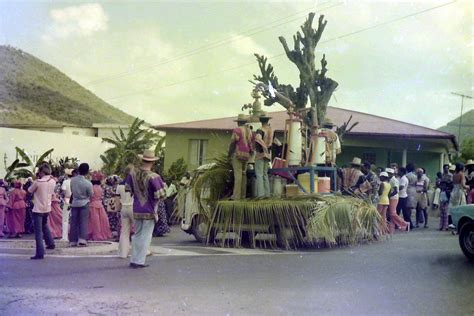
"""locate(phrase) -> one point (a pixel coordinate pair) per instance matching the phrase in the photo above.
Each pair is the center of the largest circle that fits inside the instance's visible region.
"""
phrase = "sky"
(176, 61)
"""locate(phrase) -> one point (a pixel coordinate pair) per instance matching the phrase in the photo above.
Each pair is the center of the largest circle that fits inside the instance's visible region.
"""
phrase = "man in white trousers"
(66, 189)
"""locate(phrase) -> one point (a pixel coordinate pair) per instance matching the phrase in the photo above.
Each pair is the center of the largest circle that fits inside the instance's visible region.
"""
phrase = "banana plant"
(25, 167)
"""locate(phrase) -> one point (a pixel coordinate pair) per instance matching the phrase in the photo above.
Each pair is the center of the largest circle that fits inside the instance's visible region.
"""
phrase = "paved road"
(420, 273)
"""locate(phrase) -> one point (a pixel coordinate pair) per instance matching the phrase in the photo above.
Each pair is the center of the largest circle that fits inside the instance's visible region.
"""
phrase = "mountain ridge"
(34, 92)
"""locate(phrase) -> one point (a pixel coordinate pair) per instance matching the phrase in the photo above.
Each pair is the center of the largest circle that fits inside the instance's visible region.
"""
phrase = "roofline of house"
(13, 125)
(167, 126)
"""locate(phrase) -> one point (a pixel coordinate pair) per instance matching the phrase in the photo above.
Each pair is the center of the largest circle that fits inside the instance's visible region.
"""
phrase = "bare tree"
(313, 83)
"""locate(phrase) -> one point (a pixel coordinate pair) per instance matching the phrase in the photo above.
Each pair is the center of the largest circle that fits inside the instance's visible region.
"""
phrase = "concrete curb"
(62, 247)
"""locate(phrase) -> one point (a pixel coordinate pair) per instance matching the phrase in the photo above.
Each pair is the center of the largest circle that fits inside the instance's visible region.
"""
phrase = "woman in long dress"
(3, 205)
(16, 211)
(161, 226)
(99, 228)
(55, 218)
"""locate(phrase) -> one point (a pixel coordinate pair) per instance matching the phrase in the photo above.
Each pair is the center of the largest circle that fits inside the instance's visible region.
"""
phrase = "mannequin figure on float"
(240, 151)
(332, 143)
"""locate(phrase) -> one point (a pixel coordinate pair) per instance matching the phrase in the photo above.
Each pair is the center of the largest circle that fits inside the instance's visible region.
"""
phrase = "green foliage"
(176, 171)
(160, 153)
(25, 167)
(218, 180)
(467, 149)
(37, 93)
(126, 147)
(58, 167)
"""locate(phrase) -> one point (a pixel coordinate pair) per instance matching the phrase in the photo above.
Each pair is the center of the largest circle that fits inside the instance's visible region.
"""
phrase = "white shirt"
(404, 183)
(125, 197)
(394, 184)
(66, 188)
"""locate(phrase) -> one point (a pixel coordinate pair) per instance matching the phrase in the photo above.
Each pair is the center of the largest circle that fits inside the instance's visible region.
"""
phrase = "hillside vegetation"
(34, 92)
(467, 126)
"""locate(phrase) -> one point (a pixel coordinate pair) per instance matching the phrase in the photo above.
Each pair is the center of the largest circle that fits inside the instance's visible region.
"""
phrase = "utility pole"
(462, 110)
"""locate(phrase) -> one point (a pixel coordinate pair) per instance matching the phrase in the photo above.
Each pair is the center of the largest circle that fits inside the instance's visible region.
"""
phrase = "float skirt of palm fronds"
(309, 221)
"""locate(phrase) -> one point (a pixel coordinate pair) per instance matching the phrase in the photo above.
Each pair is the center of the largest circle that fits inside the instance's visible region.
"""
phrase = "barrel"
(324, 185)
(305, 182)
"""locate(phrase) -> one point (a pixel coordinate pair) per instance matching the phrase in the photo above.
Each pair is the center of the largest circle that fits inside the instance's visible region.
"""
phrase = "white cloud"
(81, 20)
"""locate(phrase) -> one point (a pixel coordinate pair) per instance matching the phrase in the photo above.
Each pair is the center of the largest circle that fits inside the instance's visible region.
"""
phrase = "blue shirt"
(81, 191)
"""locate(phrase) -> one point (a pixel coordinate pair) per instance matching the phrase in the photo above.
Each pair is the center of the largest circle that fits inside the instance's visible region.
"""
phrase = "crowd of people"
(81, 206)
(400, 192)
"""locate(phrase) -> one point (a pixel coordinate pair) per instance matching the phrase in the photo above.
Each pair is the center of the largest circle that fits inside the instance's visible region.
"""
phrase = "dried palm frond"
(345, 221)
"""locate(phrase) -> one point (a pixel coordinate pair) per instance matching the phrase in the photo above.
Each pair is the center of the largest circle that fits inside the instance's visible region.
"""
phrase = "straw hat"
(470, 162)
(383, 174)
(328, 122)
(242, 118)
(264, 115)
(356, 161)
(148, 155)
(389, 170)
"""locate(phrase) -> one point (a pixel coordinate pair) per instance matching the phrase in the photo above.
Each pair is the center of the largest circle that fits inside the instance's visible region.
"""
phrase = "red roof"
(368, 124)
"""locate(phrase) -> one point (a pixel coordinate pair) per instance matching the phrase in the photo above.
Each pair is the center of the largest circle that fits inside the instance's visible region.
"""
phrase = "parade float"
(304, 208)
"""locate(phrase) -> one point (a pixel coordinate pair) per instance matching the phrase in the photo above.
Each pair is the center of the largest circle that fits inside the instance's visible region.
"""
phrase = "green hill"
(33, 92)
(467, 126)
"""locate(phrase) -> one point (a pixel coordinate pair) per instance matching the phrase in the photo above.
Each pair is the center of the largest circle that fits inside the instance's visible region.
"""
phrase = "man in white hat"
(147, 188)
(351, 176)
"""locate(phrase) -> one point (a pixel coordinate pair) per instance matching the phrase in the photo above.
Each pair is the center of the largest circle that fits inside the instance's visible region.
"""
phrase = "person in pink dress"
(55, 218)
(16, 211)
(3, 205)
(99, 228)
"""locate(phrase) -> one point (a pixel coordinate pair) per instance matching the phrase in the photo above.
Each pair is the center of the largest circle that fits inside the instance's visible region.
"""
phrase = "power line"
(198, 50)
(282, 54)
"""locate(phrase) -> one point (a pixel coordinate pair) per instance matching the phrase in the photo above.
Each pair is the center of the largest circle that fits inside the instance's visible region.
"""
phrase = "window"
(197, 151)
(370, 157)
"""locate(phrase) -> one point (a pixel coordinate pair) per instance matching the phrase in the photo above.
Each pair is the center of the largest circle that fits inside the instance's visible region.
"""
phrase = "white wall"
(108, 132)
(86, 149)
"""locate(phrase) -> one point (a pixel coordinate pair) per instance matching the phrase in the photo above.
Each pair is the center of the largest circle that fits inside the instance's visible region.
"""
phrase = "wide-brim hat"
(389, 170)
(356, 161)
(242, 118)
(470, 162)
(452, 167)
(383, 174)
(148, 155)
(264, 115)
(328, 122)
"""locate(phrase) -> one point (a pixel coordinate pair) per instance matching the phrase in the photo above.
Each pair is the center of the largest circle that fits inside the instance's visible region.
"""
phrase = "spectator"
(147, 189)
(81, 194)
(42, 190)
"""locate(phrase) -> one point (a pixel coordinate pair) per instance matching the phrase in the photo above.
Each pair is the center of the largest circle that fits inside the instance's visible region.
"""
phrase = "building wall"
(85, 148)
(79, 131)
(385, 150)
(108, 132)
(177, 145)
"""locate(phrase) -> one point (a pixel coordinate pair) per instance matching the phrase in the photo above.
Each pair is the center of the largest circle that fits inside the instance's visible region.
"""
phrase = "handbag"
(114, 205)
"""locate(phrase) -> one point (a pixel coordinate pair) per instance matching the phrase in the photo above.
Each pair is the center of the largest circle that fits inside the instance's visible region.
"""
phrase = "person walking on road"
(42, 190)
(81, 194)
(147, 189)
